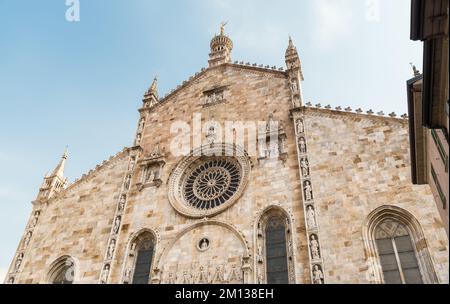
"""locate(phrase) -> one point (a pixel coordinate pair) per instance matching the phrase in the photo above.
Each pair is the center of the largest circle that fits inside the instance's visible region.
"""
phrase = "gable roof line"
(198, 75)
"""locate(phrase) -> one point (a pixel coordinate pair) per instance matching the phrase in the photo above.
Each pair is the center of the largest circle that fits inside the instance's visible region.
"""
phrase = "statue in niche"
(300, 126)
(308, 190)
(27, 240)
(234, 275)
(204, 244)
(314, 244)
(294, 85)
(304, 165)
(111, 248)
(35, 219)
(219, 276)
(116, 225)
(122, 202)
(170, 279)
(259, 256)
(133, 249)
(11, 280)
(127, 182)
(19, 261)
(127, 276)
(211, 135)
(317, 275)
(260, 232)
(260, 278)
(105, 274)
(141, 124)
(132, 163)
(311, 216)
(203, 275)
(138, 139)
(302, 145)
(187, 277)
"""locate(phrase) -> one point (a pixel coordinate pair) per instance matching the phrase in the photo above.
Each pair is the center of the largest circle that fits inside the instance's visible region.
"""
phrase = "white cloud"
(333, 21)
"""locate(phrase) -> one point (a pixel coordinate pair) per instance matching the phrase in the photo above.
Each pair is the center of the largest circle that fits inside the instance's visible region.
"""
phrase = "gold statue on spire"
(222, 27)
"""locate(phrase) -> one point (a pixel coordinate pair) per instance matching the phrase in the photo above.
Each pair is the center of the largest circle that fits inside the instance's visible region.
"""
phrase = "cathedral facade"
(232, 178)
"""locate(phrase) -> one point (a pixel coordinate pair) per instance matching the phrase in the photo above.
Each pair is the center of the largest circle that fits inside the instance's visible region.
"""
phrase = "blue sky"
(81, 83)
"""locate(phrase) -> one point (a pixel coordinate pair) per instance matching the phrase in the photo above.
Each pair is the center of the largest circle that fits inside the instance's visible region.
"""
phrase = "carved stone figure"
(11, 280)
(132, 163)
(302, 145)
(203, 275)
(314, 244)
(27, 240)
(35, 219)
(260, 232)
(187, 277)
(171, 279)
(19, 261)
(259, 256)
(111, 248)
(204, 244)
(308, 190)
(317, 275)
(300, 126)
(116, 225)
(132, 249)
(127, 182)
(294, 85)
(235, 274)
(105, 274)
(260, 278)
(304, 165)
(141, 124)
(122, 202)
(311, 217)
(138, 139)
(290, 249)
(219, 276)
(211, 135)
(127, 276)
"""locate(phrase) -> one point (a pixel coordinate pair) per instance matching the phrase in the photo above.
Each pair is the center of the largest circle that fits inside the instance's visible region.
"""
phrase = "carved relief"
(19, 260)
(307, 188)
(35, 219)
(27, 240)
(105, 274)
(318, 277)
(302, 145)
(314, 245)
(304, 166)
(311, 217)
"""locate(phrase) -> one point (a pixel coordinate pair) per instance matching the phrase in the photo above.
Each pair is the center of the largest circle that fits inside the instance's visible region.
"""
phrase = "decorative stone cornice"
(92, 173)
(348, 113)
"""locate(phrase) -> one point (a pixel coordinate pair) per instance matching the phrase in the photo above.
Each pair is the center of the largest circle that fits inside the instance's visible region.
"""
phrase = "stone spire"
(295, 74)
(151, 96)
(221, 47)
(54, 182)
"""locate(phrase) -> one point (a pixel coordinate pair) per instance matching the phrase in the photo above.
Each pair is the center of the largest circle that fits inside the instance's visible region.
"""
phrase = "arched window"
(396, 248)
(397, 255)
(62, 271)
(143, 249)
(276, 251)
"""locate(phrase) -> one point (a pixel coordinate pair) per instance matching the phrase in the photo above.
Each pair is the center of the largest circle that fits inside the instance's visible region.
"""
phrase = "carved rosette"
(310, 207)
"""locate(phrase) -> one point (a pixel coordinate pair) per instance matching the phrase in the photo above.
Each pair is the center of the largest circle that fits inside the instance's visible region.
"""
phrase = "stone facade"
(329, 172)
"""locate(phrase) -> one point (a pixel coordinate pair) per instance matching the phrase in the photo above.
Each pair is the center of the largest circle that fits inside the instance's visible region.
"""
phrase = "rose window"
(212, 183)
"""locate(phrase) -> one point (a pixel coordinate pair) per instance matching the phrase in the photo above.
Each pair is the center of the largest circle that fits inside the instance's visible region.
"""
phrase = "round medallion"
(203, 244)
(202, 186)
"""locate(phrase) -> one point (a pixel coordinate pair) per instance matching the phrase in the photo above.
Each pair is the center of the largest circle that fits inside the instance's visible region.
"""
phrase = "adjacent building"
(428, 102)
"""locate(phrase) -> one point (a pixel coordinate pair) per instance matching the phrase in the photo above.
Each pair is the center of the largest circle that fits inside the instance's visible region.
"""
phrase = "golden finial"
(222, 27)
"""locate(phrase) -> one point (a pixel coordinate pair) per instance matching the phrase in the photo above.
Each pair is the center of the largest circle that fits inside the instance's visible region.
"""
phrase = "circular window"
(202, 186)
(211, 183)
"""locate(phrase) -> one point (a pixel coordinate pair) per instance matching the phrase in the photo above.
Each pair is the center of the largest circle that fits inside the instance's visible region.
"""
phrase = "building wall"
(359, 163)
